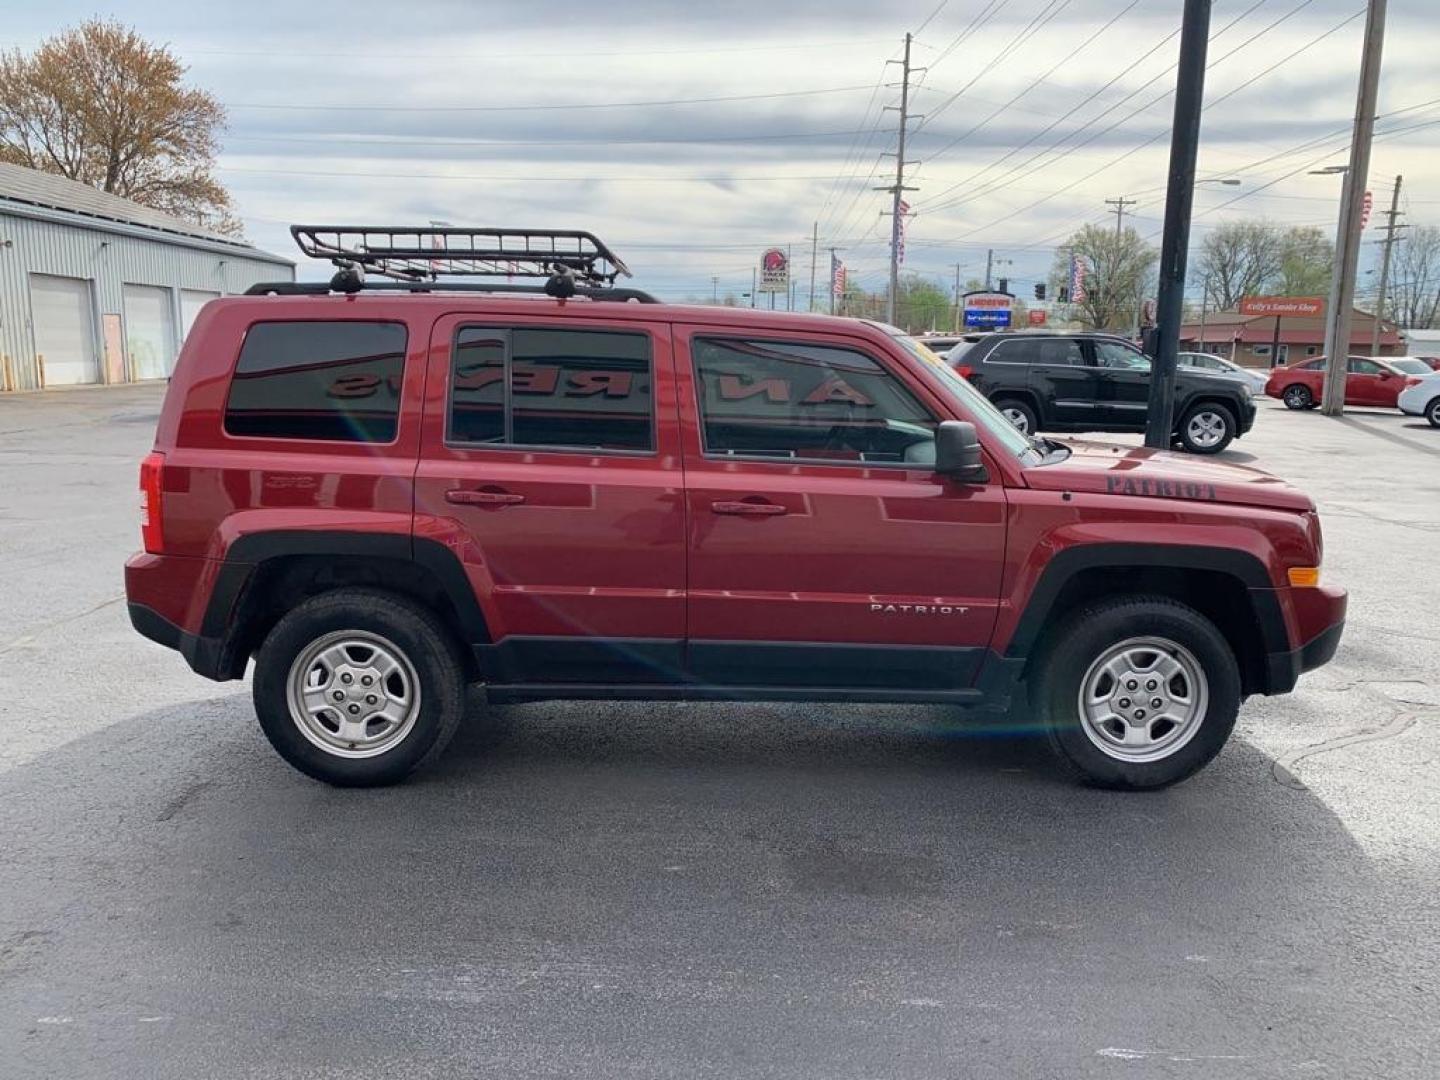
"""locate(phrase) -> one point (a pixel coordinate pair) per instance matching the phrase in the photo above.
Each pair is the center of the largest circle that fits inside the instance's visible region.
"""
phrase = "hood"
(1163, 474)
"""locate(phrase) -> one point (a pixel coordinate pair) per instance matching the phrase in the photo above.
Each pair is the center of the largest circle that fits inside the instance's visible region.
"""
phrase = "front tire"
(358, 687)
(1432, 412)
(1298, 397)
(1136, 693)
(1019, 413)
(1207, 428)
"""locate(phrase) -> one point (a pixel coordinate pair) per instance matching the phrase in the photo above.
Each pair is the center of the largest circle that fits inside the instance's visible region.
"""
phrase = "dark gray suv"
(1098, 382)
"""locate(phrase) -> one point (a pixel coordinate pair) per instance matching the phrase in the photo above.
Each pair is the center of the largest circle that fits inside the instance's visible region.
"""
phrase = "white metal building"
(99, 289)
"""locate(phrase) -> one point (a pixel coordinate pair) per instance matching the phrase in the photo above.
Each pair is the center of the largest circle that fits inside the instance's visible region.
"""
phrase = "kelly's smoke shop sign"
(988, 309)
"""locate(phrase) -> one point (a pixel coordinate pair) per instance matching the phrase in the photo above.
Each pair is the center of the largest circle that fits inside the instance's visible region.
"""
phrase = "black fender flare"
(249, 552)
(1069, 562)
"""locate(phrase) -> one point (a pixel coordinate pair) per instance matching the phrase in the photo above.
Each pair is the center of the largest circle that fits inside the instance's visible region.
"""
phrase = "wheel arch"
(265, 574)
(1230, 588)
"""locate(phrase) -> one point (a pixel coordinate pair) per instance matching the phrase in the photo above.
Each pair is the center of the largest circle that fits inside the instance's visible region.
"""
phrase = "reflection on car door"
(824, 550)
(1124, 384)
(553, 451)
(1363, 385)
(1060, 379)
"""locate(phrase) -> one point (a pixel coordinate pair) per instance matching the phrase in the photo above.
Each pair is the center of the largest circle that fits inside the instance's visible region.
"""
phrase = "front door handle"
(752, 509)
(466, 497)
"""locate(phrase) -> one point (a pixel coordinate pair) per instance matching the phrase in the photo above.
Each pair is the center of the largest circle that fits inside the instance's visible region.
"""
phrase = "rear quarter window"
(336, 381)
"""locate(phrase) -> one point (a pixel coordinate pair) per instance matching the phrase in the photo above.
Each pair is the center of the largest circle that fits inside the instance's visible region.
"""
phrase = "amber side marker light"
(1306, 577)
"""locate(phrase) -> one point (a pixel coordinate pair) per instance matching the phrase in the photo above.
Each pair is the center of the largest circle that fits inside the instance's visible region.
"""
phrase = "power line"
(313, 107)
(1015, 170)
(930, 18)
(1052, 9)
(1152, 139)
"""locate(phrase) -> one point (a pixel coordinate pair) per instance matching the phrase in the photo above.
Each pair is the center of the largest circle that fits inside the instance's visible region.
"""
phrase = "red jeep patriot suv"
(385, 492)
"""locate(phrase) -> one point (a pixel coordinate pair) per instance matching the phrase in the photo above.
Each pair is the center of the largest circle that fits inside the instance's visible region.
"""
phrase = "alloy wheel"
(353, 694)
(1143, 699)
(1206, 428)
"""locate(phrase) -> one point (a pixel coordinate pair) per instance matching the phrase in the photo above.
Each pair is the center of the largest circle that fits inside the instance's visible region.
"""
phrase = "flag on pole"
(837, 277)
(900, 232)
(1078, 270)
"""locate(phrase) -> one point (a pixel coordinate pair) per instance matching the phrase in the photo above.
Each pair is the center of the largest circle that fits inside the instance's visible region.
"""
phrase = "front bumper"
(1319, 616)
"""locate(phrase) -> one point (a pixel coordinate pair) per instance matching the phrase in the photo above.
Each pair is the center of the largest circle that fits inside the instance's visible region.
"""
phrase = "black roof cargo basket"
(423, 254)
(572, 262)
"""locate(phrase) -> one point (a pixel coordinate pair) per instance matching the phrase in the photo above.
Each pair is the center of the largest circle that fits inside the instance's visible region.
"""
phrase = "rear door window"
(324, 380)
(1064, 352)
(538, 387)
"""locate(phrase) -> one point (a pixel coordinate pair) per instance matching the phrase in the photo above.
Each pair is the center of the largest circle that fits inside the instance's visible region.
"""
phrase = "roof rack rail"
(423, 253)
(325, 288)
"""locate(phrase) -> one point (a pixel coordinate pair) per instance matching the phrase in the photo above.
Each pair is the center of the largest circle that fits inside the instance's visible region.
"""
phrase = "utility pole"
(957, 298)
(1164, 342)
(1390, 229)
(1121, 203)
(1347, 248)
(989, 266)
(753, 284)
(898, 189)
(832, 279)
(789, 277)
(714, 289)
(814, 253)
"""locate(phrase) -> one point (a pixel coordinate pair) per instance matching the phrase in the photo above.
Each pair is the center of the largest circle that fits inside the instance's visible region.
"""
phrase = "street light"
(1228, 181)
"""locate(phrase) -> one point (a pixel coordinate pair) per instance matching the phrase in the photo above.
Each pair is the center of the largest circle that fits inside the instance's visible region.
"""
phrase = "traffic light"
(1039, 290)
(1004, 285)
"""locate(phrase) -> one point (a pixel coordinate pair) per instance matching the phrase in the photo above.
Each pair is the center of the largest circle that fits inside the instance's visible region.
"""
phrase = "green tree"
(1307, 261)
(101, 105)
(1120, 268)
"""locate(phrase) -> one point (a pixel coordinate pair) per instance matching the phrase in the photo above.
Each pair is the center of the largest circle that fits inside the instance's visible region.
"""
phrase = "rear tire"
(1207, 428)
(1108, 662)
(358, 687)
(1019, 413)
(1298, 397)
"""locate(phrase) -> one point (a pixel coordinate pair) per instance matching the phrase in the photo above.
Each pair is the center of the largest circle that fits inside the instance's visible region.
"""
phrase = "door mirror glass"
(957, 452)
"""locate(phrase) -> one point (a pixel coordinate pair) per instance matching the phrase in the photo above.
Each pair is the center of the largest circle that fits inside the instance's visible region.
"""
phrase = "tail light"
(151, 509)
(964, 370)
(1412, 380)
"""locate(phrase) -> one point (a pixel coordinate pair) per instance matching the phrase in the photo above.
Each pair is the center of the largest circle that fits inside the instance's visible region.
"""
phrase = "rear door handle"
(466, 497)
(753, 509)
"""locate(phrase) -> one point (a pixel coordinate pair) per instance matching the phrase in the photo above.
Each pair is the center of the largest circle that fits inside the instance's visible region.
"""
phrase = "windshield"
(1408, 366)
(974, 402)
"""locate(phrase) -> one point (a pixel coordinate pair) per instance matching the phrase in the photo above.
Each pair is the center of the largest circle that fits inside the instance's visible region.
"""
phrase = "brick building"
(1247, 339)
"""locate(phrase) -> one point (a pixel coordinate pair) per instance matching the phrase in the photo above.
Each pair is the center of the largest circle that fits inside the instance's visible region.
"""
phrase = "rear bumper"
(206, 656)
(164, 599)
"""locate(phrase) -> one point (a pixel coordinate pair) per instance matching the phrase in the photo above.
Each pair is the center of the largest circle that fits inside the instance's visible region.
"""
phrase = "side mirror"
(1384, 374)
(957, 452)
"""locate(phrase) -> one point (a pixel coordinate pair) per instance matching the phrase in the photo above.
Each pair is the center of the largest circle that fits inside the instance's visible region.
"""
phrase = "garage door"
(64, 325)
(149, 331)
(191, 301)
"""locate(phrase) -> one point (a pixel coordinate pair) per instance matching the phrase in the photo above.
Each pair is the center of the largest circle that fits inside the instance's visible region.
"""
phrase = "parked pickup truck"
(382, 495)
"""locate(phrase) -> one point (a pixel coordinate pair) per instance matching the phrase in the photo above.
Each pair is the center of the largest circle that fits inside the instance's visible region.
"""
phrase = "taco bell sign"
(774, 271)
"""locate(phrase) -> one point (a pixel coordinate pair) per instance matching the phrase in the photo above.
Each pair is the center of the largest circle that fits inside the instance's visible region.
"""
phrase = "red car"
(1369, 380)
(382, 495)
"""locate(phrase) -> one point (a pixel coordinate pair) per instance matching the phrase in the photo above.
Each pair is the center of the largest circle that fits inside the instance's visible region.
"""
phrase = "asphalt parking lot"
(718, 891)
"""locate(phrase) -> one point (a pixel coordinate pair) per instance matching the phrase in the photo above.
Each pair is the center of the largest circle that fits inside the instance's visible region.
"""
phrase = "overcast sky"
(493, 112)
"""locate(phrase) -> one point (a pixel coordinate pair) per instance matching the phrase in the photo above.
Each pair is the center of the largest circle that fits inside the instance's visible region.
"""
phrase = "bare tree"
(1119, 269)
(1238, 259)
(101, 105)
(1414, 301)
